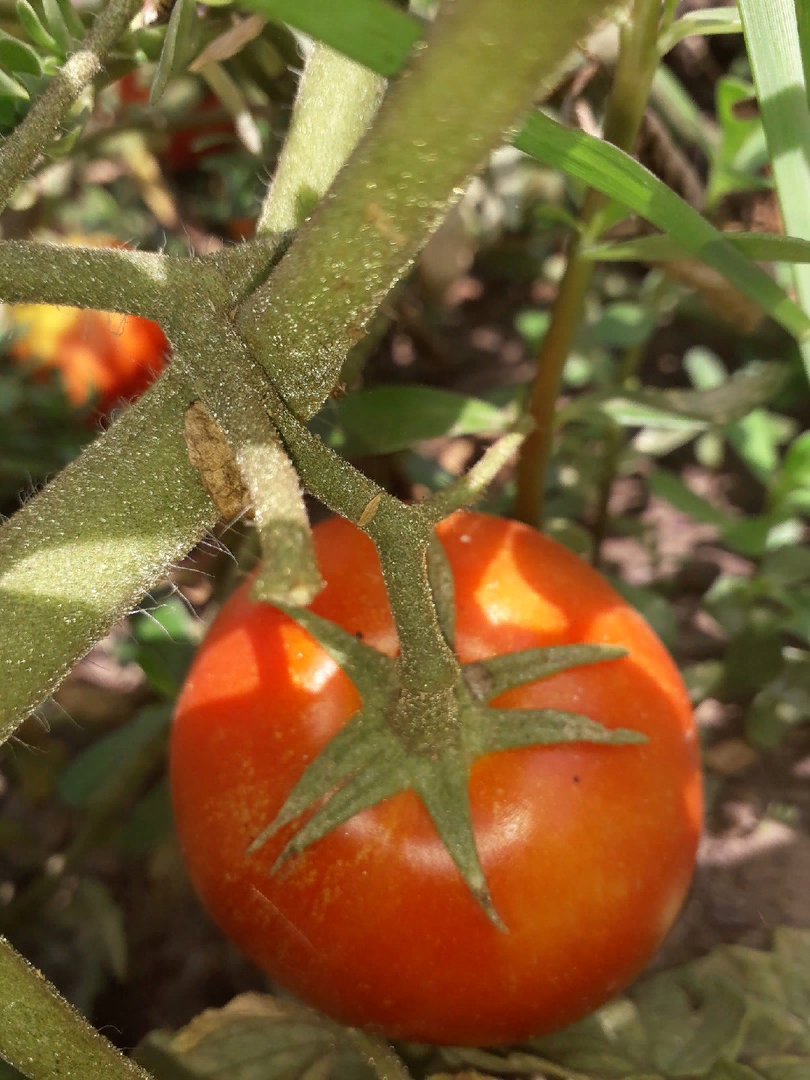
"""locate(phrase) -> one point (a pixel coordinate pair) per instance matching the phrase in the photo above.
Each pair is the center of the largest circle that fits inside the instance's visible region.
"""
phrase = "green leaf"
(179, 46)
(704, 368)
(729, 401)
(372, 32)
(619, 176)
(57, 27)
(719, 20)
(764, 247)
(34, 28)
(11, 89)
(632, 412)
(794, 477)
(88, 772)
(72, 21)
(624, 325)
(775, 55)
(672, 488)
(257, 1036)
(16, 56)
(387, 419)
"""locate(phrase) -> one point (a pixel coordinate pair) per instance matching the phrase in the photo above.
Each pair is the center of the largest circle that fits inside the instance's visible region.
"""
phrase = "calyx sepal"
(400, 740)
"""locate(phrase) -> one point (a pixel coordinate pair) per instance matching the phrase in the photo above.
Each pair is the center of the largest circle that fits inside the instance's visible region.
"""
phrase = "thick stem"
(82, 553)
(25, 143)
(113, 501)
(482, 68)
(45, 1037)
(635, 68)
(234, 389)
(401, 535)
(130, 282)
(337, 100)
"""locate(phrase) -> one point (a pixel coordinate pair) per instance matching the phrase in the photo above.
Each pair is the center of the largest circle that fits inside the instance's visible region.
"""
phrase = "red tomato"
(188, 146)
(102, 356)
(588, 849)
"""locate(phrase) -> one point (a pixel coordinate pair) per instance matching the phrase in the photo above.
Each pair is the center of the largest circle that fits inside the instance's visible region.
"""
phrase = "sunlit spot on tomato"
(243, 674)
(310, 668)
(504, 598)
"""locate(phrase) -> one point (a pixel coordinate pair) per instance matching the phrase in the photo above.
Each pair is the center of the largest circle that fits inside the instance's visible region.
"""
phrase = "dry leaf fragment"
(210, 454)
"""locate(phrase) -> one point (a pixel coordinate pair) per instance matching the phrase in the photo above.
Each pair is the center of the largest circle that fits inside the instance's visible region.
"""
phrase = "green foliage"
(387, 419)
(40, 431)
(164, 639)
(372, 32)
(737, 1014)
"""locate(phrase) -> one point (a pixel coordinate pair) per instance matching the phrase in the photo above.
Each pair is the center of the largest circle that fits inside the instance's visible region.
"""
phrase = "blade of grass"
(617, 175)
(720, 20)
(764, 247)
(772, 39)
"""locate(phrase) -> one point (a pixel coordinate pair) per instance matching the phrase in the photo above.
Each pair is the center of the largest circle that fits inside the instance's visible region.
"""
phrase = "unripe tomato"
(588, 849)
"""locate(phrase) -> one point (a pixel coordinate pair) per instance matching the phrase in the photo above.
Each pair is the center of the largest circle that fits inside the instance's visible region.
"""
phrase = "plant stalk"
(484, 64)
(336, 102)
(45, 1037)
(635, 67)
(25, 143)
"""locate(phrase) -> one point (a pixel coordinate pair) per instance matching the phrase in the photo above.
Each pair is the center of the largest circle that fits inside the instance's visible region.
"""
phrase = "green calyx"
(426, 742)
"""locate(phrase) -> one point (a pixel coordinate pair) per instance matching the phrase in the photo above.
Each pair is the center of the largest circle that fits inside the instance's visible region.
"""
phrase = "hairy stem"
(25, 143)
(484, 64)
(133, 503)
(82, 553)
(337, 100)
(635, 67)
(45, 1037)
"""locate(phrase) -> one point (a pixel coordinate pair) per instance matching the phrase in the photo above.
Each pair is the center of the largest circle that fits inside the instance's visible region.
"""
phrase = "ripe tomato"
(210, 132)
(102, 356)
(588, 849)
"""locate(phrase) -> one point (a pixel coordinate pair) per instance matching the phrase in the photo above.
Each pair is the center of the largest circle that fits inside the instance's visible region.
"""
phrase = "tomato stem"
(635, 67)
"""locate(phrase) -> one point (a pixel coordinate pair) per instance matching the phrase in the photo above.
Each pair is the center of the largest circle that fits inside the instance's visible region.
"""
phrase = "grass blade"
(619, 176)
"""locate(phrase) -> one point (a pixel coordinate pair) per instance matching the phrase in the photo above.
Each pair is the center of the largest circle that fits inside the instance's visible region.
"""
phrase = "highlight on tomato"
(588, 849)
(103, 359)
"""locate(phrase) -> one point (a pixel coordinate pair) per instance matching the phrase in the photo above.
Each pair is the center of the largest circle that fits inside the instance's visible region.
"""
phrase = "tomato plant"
(588, 849)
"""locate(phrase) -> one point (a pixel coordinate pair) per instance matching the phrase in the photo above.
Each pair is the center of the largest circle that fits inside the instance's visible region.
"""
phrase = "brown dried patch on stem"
(210, 454)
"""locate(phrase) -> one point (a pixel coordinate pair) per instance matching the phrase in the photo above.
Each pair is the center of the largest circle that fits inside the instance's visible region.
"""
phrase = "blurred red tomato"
(102, 357)
(185, 148)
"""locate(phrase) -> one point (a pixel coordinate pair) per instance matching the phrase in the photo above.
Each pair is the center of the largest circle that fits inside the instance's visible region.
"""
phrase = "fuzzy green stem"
(45, 1037)
(401, 535)
(337, 100)
(112, 501)
(25, 143)
(483, 65)
(635, 67)
(82, 553)
(234, 389)
(109, 279)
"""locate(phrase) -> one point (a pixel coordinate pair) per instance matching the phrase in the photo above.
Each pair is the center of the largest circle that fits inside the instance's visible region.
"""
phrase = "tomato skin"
(100, 355)
(588, 849)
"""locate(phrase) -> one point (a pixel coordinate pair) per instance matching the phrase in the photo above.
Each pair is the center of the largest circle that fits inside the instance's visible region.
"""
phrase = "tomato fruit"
(100, 356)
(210, 132)
(588, 849)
